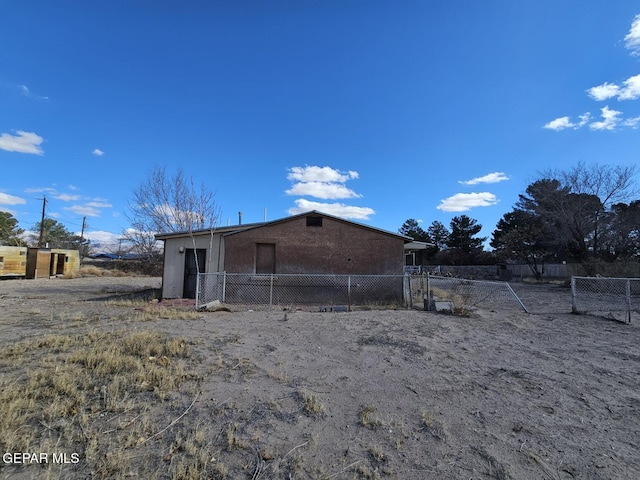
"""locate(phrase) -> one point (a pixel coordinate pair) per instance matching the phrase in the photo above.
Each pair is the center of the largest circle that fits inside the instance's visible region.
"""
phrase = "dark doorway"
(265, 258)
(191, 270)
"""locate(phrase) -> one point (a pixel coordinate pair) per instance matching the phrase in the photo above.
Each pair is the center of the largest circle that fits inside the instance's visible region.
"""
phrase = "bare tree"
(164, 204)
(611, 184)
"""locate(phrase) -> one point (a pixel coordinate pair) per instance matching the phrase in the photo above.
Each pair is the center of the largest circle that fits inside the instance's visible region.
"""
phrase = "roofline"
(206, 231)
(230, 230)
(415, 245)
(333, 217)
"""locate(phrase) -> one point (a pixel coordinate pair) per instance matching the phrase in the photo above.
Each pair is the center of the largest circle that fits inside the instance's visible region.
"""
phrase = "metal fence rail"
(605, 295)
(330, 291)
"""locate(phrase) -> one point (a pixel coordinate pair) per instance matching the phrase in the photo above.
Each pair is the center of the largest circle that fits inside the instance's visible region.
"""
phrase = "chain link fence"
(460, 295)
(325, 291)
(615, 297)
(343, 292)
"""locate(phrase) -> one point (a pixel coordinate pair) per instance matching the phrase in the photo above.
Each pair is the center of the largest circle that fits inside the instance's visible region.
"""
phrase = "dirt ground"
(402, 394)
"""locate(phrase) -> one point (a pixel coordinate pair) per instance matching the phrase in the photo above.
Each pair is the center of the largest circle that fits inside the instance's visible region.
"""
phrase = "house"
(308, 243)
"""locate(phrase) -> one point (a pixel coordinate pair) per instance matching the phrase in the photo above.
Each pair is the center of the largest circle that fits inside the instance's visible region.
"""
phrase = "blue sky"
(376, 111)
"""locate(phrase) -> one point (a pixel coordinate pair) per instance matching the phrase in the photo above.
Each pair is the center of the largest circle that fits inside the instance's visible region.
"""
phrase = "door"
(61, 261)
(193, 259)
(266, 258)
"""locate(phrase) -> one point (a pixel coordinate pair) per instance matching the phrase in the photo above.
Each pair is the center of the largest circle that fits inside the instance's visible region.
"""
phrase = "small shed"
(64, 261)
(51, 262)
(13, 261)
(38, 262)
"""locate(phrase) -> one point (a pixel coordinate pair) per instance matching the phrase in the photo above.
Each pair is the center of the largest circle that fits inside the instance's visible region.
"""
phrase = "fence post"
(628, 293)
(428, 292)
(516, 297)
(574, 307)
(197, 290)
(224, 286)
(406, 288)
(348, 293)
(270, 291)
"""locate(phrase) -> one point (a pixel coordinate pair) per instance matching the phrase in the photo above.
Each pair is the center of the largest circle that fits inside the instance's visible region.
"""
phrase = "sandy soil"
(391, 393)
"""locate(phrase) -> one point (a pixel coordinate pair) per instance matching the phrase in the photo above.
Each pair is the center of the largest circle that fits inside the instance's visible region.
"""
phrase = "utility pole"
(84, 224)
(41, 237)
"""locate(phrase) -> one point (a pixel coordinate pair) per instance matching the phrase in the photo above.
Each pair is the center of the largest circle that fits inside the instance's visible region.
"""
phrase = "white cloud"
(336, 209)
(494, 177)
(609, 119)
(324, 190)
(40, 190)
(320, 174)
(65, 197)
(604, 91)
(102, 237)
(584, 119)
(629, 91)
(325, 183)
(461, 202)
(559, 124)
(6, 199)
(23, 142)
(84, 210)
(29, 94)
(98, 152)
(632, 122)
(632, 39)
(90, 209)
(99, 204)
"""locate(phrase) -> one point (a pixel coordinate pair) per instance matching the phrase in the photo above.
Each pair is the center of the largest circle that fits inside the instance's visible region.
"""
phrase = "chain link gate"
(605, 295)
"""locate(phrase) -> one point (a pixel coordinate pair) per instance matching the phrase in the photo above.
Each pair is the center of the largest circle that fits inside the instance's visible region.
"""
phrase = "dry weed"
(461, 302)
(434, 426)
(368, 417)
(312, 405)
(58, 384)
(93, 271)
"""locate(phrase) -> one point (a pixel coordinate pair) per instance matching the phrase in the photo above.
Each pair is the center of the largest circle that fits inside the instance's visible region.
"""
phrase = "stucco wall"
(173, 270)
(334, 248)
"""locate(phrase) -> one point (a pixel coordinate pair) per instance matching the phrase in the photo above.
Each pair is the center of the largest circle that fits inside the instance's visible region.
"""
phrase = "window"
(314, 221)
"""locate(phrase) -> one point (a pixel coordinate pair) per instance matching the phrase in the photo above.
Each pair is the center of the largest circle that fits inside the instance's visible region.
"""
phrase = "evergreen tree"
(9, 231)
(55, 235)
(464, 247)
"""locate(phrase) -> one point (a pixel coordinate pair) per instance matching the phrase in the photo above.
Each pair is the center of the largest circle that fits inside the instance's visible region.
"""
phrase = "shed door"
(191, 270)
(265, 258)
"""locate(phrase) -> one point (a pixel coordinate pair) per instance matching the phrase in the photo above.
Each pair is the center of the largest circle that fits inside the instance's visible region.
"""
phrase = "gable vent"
(314, 221)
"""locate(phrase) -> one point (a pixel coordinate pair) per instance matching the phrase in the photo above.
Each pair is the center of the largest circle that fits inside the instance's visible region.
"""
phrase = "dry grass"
(461, 303)
(368, 417)
(312, 405)
(433, 426)
(495, 468)
(87, 393)
(93, 271)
